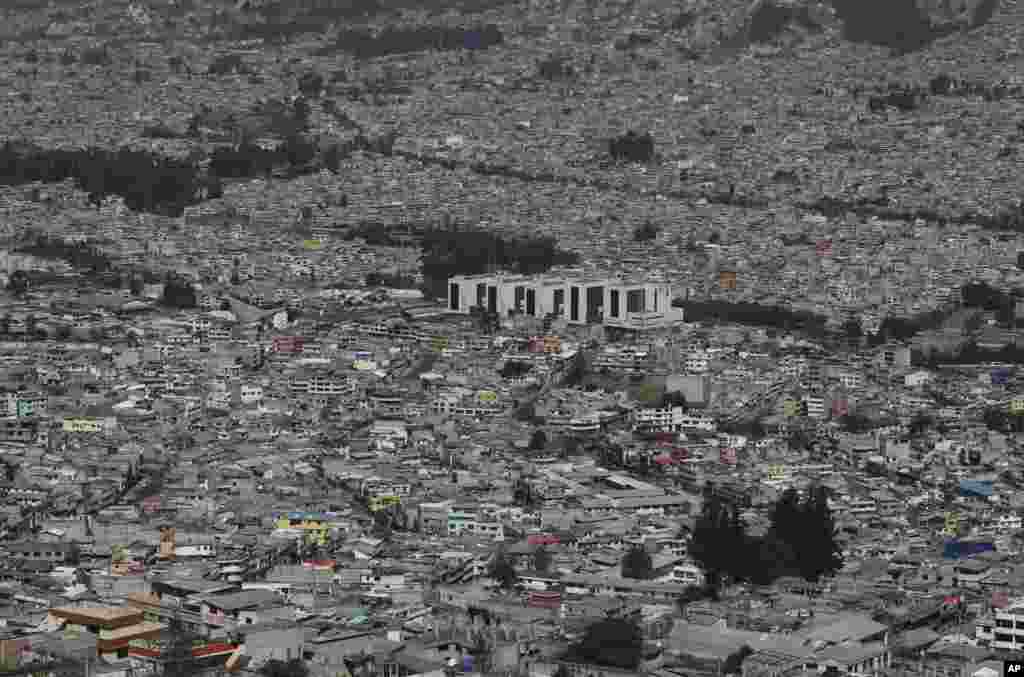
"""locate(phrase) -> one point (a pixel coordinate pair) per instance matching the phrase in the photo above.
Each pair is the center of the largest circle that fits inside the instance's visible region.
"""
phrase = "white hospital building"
(619, 302)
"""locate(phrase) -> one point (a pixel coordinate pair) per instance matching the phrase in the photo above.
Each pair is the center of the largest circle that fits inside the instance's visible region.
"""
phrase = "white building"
(1006, 629)
(611, 301)
(250, 394)
(670, 419)
(696, 363)
(815, 407)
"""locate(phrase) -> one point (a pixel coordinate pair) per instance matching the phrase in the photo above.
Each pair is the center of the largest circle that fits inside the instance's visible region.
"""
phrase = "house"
(857, 658)
(246, 607)
(280, 640)
(970, 573)
(54, 553)
(918, 379)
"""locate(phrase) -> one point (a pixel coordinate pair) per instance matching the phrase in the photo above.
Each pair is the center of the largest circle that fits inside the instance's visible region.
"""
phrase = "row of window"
(487, 296)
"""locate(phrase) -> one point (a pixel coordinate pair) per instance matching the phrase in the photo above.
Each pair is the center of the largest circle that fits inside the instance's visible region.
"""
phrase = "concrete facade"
(610, 301)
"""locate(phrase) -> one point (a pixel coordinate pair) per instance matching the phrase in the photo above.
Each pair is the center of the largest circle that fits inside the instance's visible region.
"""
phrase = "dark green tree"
(577, 370)
(734, 661)
(820, 554)
(502, 571)
(176, 654)
(786, 517)
(522, 493)
(18, 282)
(674, 398)
(646, 232)
(296, 667)
(612, 642)
(178, 293)
(538, 440)
(636, 563)
(709, 543)
(541, 560)
(311, 84)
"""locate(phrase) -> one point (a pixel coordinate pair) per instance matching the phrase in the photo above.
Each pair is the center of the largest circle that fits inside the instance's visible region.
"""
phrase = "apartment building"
(1005, 628)
(611, 301)
(670, 419)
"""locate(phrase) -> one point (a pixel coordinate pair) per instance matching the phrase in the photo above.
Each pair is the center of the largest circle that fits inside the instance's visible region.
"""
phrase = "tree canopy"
(612, 642)
(541, 559)
(636, 563)
(296, 667)
(502, 571)
(800, 542)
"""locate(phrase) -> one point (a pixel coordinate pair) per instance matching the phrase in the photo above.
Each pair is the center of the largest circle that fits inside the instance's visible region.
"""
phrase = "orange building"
(115, 628)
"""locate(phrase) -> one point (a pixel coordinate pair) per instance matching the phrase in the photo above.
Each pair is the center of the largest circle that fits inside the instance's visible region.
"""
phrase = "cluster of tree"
(1001, 420)
(646, 232)
(178, 641)
(835, 207)
(82, 255)
(392, 280)
(682, 20)
(160, 131)
(856, 423)
(523, 494)
(488, 321)
(753, 314)
(902, 328)
(769, 20)
(281, 20)
(96, 56)
(673, 398)
(227, 64)
(800, 542)
(502, 571)
(632, 147)
(515, 369)
(945, 85)
(1008, 217)
(971, 353)
(178, 293)
(633, 40)
(145, 181)
(904, 100)
(541, 560)
(295, 667)
(250, 160)
(577, 370)
(636, 563)
(982, 295)
(555, 67)
(897, 24)
(311, 84)
(447, 253)
(611, 642)
(1005, 217)
(365, 44)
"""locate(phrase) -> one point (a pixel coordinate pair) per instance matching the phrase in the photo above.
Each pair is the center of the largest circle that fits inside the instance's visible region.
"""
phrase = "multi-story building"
(612, 301)
(117, 629)
(1005, 628)
(670, 419)
(696, 363)
(464, 521)
(625, 358)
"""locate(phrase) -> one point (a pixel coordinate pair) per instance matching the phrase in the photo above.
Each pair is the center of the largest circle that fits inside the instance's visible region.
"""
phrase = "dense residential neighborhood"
(511, 339)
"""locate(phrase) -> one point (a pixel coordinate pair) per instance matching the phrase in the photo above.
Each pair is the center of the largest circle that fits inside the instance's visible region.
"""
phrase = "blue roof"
(977, 487)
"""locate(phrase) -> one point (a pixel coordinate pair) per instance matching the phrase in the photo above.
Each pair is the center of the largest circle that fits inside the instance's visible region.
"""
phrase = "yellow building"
(378, 503)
